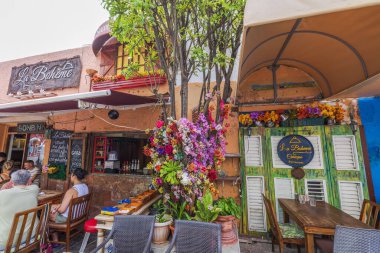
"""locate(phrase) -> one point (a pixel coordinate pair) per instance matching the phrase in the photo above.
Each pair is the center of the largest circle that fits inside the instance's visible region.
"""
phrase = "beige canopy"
(336, 42)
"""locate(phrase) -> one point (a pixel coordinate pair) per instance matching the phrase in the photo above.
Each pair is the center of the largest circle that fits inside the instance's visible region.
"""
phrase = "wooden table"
(50, 196)
(105, 222)
(320, 220)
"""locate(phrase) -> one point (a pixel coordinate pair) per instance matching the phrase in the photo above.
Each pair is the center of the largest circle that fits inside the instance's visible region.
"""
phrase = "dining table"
(49, 196)
(321, 219)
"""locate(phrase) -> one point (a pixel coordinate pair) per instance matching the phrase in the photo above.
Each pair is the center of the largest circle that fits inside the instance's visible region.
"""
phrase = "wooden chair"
(34, 233)
(277, 230)
(370, 213)
(78, 213)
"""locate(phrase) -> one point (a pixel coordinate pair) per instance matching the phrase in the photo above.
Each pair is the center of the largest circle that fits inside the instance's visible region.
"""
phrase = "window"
(345, 152)
(317, 189)
(351, 197)
(255, 204)
(253, 151)
(123, 59)
(316, 163)
(284, 189)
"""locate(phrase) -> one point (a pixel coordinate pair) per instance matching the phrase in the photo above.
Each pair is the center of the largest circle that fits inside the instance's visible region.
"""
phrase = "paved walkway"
(247, 245)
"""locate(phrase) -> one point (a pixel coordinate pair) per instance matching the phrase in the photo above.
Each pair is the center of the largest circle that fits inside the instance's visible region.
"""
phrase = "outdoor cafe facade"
(72, 109)
(298, 132)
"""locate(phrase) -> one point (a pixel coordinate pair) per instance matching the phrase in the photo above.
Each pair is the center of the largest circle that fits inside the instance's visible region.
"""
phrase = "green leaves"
(205, 210)
(228, 206)
(169, 171)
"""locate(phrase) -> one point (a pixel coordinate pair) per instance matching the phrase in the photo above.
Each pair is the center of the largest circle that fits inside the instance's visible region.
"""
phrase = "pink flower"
(160, 124)
(158, 181)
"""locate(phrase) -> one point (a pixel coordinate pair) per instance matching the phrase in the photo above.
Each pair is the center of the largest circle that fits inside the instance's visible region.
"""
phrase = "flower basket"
(133, 82)
(303, 122)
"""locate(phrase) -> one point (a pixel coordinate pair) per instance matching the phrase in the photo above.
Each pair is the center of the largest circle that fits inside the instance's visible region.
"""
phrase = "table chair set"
(349, 234)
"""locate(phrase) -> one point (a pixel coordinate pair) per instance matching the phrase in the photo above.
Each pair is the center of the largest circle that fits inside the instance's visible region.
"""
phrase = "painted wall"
(370, 116)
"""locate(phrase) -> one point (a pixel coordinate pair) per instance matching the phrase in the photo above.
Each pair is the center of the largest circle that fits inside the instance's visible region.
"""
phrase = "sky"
(33, 27)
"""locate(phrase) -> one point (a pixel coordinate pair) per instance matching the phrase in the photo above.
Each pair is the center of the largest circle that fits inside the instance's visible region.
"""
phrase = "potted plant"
(178, 211)
(161, 228)
(205, 210)
(229, 212)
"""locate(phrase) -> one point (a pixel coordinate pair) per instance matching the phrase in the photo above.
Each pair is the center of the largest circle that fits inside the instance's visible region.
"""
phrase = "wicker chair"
(356, 240)
(193, 236)
(132, 234)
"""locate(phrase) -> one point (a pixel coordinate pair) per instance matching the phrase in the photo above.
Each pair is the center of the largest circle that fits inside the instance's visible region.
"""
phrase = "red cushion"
(89, 226)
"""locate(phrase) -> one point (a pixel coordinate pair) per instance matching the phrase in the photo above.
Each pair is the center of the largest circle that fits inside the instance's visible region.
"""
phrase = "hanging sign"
(295, 150)
(31, 127)
(52, 75)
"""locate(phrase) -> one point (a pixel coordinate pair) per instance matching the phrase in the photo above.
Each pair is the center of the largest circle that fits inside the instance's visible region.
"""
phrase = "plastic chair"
(356, 240)
(193, 236)
(89, 228)
(132, 234)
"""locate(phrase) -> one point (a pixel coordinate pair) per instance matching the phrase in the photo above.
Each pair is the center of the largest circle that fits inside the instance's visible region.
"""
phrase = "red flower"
(169, 149)
(158, 168)
(147, 151)
(212, 175)
(160, 124)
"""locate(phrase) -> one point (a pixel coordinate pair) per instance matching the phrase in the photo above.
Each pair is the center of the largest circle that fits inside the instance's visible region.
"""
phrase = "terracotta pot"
(161, 232)
(171, 227)
(229, 231)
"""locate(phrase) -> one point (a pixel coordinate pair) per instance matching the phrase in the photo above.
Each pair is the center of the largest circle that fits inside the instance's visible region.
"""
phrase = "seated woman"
(60, 212)
(6, 175)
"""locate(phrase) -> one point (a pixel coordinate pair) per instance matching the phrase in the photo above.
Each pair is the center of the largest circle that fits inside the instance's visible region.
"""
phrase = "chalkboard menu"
(76, 153)
(295, 150)
(59, 147)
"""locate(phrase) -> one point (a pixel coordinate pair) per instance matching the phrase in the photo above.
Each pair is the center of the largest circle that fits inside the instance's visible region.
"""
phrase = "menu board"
(59, 147)
(76, 155)
(295, 150)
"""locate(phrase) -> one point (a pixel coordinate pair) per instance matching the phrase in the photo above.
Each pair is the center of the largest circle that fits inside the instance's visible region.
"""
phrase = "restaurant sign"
(295, 150)
(64, 73)
(32, 127)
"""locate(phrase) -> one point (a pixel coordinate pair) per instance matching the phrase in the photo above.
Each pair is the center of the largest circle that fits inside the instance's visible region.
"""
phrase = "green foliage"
(163, 217)
(178, 210)
(205, 210)
(131, 70)
(169, 171)
(228, 206)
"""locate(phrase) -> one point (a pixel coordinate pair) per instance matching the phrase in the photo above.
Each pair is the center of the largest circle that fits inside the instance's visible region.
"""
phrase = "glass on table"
(313, 201)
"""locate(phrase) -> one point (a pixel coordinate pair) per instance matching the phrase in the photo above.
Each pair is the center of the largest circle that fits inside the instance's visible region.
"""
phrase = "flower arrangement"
(186, 157)
(312, 111)
(123, 77)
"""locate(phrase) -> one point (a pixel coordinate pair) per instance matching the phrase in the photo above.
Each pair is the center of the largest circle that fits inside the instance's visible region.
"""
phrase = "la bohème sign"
(64, 73)
(295, 150)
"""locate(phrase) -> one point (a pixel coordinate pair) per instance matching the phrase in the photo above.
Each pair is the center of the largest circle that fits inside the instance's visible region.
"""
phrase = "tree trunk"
(172, 99)
(184, 97)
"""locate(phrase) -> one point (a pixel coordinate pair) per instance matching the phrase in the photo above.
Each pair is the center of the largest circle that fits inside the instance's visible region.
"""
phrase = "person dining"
(59, 213)
(6, 174)
(3, 158)
(17, 199)
(34, 171)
